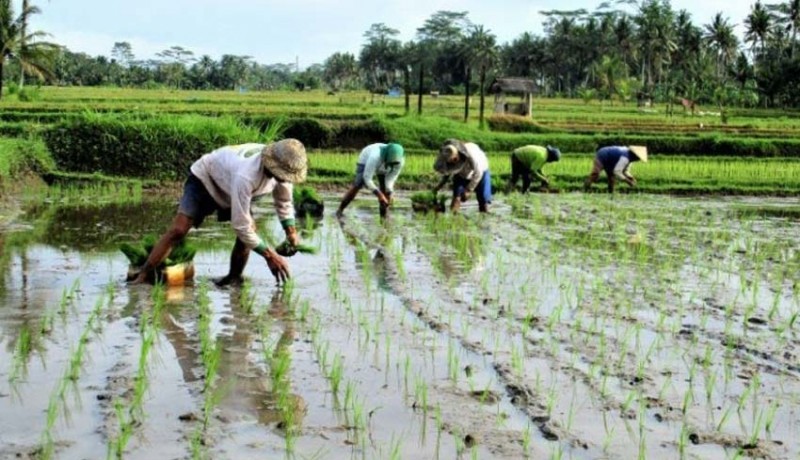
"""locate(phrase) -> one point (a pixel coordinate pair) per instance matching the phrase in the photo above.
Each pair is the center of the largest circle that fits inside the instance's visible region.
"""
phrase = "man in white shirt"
(381, 161)
(225, 181)
(468, 166)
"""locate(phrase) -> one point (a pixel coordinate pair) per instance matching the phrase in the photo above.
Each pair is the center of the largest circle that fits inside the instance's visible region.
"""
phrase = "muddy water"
(564, 326)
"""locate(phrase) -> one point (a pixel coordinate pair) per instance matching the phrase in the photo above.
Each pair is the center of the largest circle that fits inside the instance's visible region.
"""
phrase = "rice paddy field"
(559, 326)
(660, 323)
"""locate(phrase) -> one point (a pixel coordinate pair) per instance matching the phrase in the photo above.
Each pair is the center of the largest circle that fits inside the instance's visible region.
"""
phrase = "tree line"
(619, 51)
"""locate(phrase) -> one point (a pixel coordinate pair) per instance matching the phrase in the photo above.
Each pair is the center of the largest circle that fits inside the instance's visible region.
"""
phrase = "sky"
(295, 31)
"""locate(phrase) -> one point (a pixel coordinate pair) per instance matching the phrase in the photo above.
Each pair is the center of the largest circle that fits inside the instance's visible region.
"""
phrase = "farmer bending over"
(616, 162)
(382, 160)
(225, 181)
(528, 161)
(468, 166)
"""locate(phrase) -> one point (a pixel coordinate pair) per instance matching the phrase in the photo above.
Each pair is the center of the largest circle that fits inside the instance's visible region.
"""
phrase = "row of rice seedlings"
(58, 402)
(210, 352)
(352, 407)
(132, 414)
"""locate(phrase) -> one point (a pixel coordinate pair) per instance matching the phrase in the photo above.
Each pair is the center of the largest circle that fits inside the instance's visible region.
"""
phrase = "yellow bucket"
(174, 275)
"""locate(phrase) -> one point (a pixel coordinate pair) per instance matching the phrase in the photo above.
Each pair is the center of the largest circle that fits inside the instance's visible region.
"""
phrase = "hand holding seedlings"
(277, 265)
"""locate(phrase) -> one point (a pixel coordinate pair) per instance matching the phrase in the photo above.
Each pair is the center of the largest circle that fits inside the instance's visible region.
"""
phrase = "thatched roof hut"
(512, 86)
(519, 86)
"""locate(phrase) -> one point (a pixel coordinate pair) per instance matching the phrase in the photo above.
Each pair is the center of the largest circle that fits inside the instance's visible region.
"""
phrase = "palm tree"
(624, 37)
(758, 26)
(656, 36)
(482, 55)
(720, 37)
(790, 18)
(34, 56)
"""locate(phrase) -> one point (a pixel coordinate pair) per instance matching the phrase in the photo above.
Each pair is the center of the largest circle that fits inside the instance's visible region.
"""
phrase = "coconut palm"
(656, 35)
(789, 16)
(33, 55)
(720, 37)
(625, 41)
(758, 26)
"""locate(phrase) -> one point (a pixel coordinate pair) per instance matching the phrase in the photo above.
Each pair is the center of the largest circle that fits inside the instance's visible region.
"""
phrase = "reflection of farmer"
(247, 388)
(467, 164)
(382, 160)
(226, 181)
(616, 162)
(528, 161)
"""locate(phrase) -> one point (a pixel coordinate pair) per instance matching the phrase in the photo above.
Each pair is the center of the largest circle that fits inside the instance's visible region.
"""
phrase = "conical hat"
(640, 151)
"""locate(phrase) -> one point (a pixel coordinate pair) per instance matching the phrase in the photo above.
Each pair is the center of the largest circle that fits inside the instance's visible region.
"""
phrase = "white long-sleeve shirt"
(621, 168)
(472, 169)
(370, 157)
(233, 176)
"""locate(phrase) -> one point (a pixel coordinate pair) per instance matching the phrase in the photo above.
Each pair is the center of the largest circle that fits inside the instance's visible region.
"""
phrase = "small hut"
(521, 87)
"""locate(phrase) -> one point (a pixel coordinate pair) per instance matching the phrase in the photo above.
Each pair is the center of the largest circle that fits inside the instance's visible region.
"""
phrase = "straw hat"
(286, 159)
(640, 151)
(448, 155)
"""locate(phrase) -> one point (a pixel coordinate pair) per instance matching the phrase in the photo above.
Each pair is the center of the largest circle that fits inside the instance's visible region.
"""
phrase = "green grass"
(687, 157)
(669, 174)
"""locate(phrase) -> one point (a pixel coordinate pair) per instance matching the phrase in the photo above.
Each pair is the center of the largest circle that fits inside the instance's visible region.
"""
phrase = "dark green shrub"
(310, 131)
(160, 147)
(356, 135)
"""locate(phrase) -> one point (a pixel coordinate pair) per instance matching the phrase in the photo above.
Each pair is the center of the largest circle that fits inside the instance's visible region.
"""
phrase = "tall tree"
(483, 53)
(380, 57)
(442, 34)
(123, 53)
(656, 35)
(33, 55)
(625, 41)
(723, 42)
(340, 70)
(789, 17)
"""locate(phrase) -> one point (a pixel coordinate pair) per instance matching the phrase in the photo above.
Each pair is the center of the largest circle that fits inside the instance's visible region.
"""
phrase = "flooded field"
(560, 326)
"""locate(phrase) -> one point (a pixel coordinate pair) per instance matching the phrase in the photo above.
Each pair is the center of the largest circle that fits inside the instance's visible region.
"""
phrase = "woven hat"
(286, 160)
(640, 151)
(447, 154)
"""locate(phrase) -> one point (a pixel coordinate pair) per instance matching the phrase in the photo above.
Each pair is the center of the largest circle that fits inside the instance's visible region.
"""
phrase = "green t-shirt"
(532, 156)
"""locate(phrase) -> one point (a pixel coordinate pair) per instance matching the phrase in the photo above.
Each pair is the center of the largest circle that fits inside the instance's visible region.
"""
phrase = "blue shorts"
(196, 203)
(359, 181)
(483, 191)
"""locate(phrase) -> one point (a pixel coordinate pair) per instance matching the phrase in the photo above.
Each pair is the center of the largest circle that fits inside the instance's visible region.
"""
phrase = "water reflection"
(247, 385)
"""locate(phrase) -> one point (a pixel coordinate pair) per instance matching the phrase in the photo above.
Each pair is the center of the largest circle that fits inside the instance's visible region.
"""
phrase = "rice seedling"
(27, 342)
(335, 374)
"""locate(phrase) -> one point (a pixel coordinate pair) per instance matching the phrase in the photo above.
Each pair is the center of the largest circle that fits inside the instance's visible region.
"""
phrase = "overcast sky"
(283, 31)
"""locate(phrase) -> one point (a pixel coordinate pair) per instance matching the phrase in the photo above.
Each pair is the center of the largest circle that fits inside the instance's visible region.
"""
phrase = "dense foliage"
(622, 51)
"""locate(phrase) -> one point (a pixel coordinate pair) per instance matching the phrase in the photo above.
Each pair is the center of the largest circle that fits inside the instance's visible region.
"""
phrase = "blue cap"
(553, 154)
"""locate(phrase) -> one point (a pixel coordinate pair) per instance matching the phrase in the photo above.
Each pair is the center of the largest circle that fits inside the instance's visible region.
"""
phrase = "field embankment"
(155, 135)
